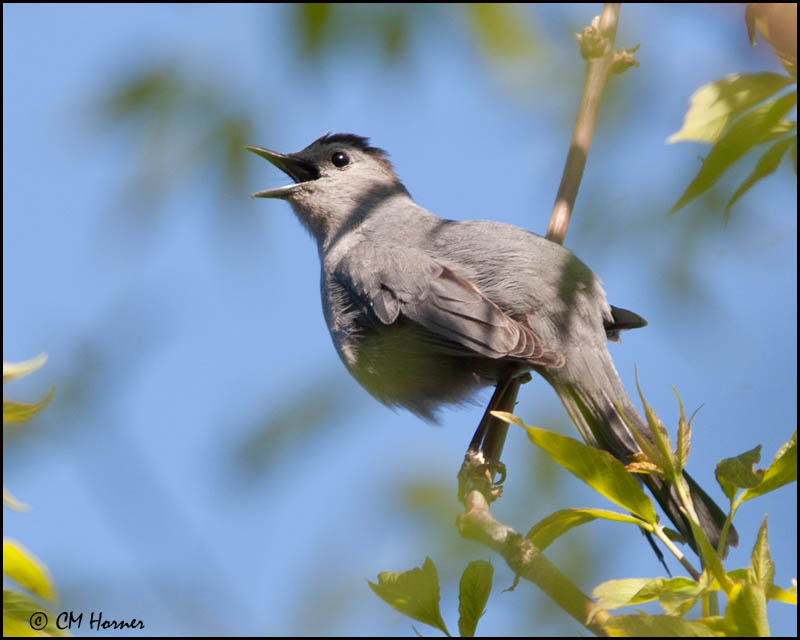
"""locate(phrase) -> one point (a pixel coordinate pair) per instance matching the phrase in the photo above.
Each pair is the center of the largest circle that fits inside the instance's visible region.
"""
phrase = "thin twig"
(669, 544)
(597, 45)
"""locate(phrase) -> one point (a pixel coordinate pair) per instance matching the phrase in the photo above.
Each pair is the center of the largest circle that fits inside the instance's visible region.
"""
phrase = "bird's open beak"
(298, 170)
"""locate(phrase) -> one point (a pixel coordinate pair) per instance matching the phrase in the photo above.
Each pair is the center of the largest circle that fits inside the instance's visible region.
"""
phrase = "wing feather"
(410, 283)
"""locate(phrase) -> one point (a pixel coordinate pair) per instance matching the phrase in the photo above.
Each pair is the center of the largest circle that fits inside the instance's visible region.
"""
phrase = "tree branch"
(528, 562)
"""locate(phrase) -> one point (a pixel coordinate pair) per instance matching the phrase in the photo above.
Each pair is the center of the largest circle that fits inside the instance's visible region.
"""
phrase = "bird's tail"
(592, 405)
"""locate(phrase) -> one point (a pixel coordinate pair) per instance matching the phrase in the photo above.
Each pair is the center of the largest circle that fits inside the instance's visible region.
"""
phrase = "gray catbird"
(425, 311)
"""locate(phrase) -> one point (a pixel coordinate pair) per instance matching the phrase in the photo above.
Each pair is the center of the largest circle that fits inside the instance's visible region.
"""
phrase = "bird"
(426, 311)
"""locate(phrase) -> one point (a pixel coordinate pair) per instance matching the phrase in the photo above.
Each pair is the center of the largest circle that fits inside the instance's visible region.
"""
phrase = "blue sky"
(175, 329)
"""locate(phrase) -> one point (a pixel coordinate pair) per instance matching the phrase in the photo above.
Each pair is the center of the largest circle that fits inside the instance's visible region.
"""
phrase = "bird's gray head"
(338, 179)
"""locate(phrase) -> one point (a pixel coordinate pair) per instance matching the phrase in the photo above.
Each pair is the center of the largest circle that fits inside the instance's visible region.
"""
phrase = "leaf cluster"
(747, 590)
(20, 566)
(724, 114)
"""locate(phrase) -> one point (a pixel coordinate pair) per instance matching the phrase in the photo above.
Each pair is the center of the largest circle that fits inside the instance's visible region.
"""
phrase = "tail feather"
(711, 517)
(598, 419)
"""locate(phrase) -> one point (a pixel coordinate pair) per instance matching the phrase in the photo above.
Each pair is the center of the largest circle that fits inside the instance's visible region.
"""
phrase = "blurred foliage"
(293, 422)
(24, 611)
(726, 113)
(182, 126)
(503, 32)
(323, 27)
(185, 124)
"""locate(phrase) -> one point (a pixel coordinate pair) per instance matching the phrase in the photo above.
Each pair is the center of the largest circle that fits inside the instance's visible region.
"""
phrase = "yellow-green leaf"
(762, 569)
(599, 469)
(739, 472)
(13, 370)
(751, 129)
(644, 626)
(684, 439)
(27, 570)
(675, 594)
(787, 596)
(765, 166)
(21, 411)
(22, 617)
(715, 105)
(663, 454)
(746, 613)
(11, 502)
(613, 594)
(782, 470)
(543, 533)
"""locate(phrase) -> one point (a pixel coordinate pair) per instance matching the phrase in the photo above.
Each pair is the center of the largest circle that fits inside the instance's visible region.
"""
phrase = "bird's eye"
(340, 159)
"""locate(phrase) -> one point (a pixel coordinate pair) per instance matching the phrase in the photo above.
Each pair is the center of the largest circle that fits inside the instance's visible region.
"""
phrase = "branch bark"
(527, 561)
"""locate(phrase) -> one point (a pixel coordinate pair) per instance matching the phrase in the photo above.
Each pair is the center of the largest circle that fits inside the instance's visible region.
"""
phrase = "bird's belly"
(405, 365)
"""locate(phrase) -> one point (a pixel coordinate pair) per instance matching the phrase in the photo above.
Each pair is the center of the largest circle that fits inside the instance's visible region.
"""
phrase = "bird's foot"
(477, 474)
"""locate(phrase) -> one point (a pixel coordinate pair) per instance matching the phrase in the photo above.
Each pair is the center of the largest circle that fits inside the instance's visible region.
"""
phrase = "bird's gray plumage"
(424, 311)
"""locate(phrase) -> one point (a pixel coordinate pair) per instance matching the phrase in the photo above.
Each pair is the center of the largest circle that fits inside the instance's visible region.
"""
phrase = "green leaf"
(746, 613)
(544, 532)
(739, 472)
(599, 469)
(765, 166)
(27, 570)
(632, 626)
(473, 594)
(414, 593)
(761, 570)
(714, 106)
(21, 411)
(760, 125)
(781, 471)
(13, 370)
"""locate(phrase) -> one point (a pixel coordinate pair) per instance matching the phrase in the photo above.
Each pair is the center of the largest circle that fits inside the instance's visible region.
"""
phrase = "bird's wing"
(402, 282)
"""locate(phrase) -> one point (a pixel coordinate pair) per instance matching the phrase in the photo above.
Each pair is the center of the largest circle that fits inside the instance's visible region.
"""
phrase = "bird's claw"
(477, 474)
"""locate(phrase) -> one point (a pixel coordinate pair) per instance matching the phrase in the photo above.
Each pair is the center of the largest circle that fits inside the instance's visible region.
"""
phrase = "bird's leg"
(495, 437)
(482, 432)
(486, 447)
